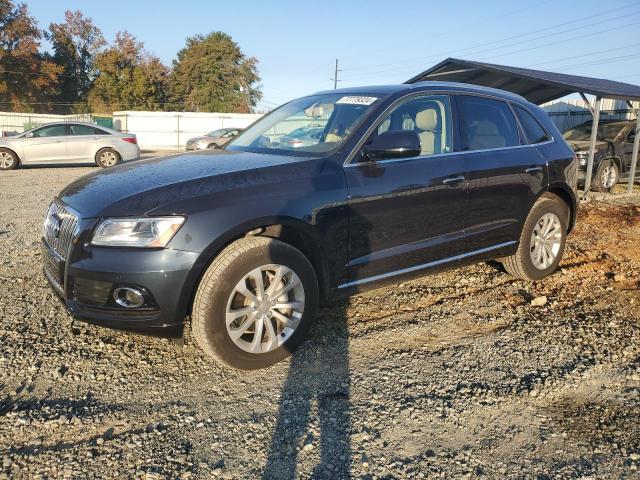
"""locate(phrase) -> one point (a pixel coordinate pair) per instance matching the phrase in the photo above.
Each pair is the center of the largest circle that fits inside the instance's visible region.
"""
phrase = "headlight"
(152, 232)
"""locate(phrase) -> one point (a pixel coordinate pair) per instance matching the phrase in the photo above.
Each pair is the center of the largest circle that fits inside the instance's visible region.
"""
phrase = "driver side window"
(429, 116)
(50, 131)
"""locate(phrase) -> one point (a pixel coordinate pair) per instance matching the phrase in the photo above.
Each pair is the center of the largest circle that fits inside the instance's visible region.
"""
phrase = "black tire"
(108, 157)
(598, 181)
(6, 155)
(217, 285)
(520, 264)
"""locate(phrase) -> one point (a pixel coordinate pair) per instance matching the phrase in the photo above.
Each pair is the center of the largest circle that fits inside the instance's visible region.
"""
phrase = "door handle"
(532, 170)
(453, 180)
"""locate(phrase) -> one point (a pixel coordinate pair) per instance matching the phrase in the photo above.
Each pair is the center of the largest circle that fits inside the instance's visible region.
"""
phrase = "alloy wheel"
(608, 176)
(108, 159)
(265, 308)
(6, 160)
(546, 240)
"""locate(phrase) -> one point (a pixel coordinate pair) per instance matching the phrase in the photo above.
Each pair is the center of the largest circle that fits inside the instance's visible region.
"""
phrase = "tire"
(218, 294)
(521, 264)
(606, 176)
(8, 159)
(108, 157)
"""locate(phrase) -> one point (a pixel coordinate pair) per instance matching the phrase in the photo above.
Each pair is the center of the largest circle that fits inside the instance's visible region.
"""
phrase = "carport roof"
(537, 86)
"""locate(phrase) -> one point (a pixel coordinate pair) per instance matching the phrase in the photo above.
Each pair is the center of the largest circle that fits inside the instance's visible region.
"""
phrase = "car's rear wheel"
(108, 157)
(606, 176)
(8, 159)
(255, 303)
(542, 240)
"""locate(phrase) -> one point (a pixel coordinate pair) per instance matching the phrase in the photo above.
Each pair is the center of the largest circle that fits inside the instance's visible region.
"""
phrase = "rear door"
(45, 144)
(505, 173)
(407, 214)
(82, 142)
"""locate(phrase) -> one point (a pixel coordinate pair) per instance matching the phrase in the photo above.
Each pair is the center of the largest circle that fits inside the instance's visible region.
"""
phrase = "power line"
(475, 47)
(618, 27)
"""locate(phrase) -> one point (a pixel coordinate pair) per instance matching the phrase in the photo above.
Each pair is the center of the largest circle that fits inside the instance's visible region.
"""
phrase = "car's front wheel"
(542, 240)
(606, 176)
(8, 159)
(255, 303)
(108, 157)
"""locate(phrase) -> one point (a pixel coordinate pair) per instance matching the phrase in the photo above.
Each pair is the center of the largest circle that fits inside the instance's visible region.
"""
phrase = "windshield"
(606, 131)
(313, 125)
(217, 133)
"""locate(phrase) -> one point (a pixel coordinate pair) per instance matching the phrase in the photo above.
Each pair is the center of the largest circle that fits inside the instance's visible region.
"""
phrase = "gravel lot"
(463, 374)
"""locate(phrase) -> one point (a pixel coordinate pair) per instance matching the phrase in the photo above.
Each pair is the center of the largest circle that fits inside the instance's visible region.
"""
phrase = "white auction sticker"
(357, 100)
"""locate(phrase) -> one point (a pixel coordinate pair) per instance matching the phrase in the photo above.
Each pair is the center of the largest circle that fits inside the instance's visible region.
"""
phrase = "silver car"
(68, 142)
(216, 139)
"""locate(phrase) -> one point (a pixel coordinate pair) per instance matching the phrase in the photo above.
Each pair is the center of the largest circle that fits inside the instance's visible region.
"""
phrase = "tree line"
(84, 73)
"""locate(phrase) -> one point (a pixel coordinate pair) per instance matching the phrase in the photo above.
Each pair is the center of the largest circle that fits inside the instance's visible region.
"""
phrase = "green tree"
(129, 78)
(76, 42)
(28, 79)
(212, 74)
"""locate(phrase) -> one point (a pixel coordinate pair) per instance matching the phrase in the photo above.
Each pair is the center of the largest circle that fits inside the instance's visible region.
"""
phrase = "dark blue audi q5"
(394, 182)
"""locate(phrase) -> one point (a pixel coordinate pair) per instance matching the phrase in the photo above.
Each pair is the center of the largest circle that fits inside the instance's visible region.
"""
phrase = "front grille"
(59, 228)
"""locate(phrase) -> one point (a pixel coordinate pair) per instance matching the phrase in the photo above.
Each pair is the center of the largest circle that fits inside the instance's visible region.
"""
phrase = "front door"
(48, 143)
(407, 214)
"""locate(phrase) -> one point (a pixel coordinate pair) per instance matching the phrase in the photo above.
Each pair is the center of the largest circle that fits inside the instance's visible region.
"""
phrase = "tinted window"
(50, 131)
(532, 129)
(85, 130)
(486, 123)
(429, 116)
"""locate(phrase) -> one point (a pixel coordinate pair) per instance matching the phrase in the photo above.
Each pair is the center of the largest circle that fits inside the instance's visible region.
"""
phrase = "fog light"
(128, 297)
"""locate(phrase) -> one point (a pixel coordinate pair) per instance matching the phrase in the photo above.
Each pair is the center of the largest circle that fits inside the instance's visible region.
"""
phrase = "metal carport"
(539, 87)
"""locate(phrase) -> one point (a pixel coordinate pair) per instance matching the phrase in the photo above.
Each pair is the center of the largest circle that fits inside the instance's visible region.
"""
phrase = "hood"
(582, 145)
(137, 188)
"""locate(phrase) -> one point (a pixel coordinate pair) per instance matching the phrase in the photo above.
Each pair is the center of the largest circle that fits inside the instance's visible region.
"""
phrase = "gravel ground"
(463, 374)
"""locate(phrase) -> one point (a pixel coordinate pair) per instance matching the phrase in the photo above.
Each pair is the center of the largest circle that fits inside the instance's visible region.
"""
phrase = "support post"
(178, 131)
(592, 146)
(634, 156)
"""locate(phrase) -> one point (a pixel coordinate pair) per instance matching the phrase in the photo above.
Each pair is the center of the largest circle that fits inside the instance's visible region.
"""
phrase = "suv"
(612, 161)
(404, 180)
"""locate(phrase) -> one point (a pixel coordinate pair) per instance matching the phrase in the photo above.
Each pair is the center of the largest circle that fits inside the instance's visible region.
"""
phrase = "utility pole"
(335, 76)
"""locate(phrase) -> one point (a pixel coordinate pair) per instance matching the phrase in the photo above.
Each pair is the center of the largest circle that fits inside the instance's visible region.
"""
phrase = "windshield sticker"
(357, 100)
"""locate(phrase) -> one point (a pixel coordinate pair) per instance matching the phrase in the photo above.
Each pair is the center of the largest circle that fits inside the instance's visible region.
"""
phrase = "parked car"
(612, 162)
(301, 137)
(215, 139)
(68, 142)
(405, 180)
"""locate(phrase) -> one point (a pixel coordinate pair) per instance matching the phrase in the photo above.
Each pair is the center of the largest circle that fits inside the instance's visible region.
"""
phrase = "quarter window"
(486, 123)
(533, 131)
(429, 116)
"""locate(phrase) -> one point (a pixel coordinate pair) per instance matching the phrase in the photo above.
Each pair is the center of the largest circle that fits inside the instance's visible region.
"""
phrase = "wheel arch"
(297, 233)
(104, 147)
(568, 196)
(14, 152)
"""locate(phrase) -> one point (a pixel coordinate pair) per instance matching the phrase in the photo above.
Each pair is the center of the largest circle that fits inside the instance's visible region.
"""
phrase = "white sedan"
(68, 142)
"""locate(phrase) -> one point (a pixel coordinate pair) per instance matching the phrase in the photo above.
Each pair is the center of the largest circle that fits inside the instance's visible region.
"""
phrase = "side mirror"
(29, 135)
(393, 144)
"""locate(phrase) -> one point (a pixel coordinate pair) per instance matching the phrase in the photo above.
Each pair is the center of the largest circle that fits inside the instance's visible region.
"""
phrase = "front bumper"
(85, 282)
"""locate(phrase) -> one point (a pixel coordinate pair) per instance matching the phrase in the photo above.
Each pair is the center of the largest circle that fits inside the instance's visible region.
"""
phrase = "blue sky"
(380, 42)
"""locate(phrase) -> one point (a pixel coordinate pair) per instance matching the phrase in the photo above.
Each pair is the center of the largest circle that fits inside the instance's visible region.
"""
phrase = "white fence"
(171, 130)
(19, 122)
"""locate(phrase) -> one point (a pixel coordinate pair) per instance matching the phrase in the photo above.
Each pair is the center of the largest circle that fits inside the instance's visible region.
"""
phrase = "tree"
(76, 42)
(28, 79)
(212, 74)
(128, 78)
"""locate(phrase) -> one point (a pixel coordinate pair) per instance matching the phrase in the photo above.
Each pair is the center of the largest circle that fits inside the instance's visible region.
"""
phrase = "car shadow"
(314, 404)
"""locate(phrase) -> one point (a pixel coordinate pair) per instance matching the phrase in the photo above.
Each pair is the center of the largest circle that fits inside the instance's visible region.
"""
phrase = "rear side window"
(85, 130)
(533, 131)
(486, 123)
